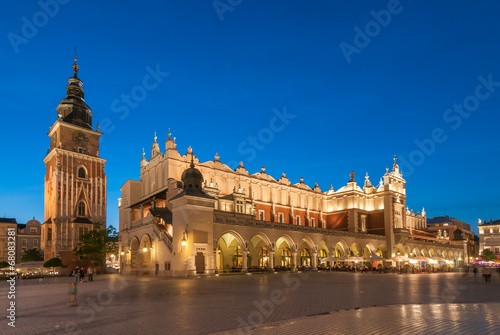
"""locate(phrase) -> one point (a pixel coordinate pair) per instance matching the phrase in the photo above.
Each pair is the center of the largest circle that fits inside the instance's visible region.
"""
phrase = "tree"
(31, 255)
(98, 242)
(4, 264)
(53, 263)
(488, 255)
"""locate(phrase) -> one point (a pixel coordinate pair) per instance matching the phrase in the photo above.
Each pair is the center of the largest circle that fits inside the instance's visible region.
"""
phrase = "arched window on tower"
(82, 173)
(81, 208)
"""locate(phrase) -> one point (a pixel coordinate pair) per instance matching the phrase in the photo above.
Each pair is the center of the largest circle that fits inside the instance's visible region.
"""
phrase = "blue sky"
(360, 81)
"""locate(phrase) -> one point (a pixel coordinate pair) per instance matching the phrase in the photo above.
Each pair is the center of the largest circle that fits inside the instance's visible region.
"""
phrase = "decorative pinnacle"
(155, 137)
(143, 153)
(301, 180)
(75, 66)
(262, 169)
(169, 133)
(367, 177)
(216, 156)
(352, 176)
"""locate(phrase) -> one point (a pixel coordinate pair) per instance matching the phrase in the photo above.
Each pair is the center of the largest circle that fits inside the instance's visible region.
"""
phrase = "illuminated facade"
(75, 182)
(489, 236)
(185, 217)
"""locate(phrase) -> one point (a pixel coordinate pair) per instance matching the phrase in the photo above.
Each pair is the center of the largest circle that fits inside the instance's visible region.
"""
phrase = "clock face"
(80, 138)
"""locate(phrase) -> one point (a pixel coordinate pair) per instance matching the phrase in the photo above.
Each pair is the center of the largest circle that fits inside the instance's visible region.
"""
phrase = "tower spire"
(75, 66)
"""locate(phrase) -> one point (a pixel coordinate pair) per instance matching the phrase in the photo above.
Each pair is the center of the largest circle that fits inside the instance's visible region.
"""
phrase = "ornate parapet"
(141, 222)
(249, 221)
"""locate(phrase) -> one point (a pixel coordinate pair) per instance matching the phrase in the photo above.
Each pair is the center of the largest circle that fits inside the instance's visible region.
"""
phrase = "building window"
(237, 260)
(35, 242)
(286, 257)
(239, 206)
(25, 242)
(167, 266)
(33, 230)
(497, 251)
(263, 258)
(305, 258)
(321, 254)
(297, 220)
(80, 150)
(261, 215)
(82, 173)
(81, 208)
(49, 234)
(312, 222)
(280, 217)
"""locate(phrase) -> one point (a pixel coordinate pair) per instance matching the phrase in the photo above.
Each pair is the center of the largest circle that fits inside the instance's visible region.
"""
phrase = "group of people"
(485, 271)
(80, 273)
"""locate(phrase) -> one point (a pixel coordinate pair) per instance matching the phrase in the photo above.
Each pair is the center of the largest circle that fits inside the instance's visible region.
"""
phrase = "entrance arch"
(355, 249)
(229, 252)
(145, 250)
(258, 251)
(134, 255)
(340, 249)
(283, 251)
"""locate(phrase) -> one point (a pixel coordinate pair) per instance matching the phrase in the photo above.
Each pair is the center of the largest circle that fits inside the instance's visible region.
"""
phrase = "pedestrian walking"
(82, 275)
(487, 274)
(77, 275)
(474, 270)
(90, 272)
(73, 291)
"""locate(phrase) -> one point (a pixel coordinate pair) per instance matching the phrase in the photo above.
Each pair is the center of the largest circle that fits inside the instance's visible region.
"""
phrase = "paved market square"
(282, 303)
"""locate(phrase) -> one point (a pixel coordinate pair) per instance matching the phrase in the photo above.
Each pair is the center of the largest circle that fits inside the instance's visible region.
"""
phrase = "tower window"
(82, 173)
(312, 222)
(81, 208)
(297, 220)
(280, 218)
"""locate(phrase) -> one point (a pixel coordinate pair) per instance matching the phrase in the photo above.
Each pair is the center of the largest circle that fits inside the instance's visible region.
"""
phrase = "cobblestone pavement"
(259, 303)
(399, 319)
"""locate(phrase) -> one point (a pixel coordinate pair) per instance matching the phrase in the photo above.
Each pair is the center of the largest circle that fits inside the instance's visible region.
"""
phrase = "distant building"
(489, 236)
(5, 225)
(454, 229)
(28, 237)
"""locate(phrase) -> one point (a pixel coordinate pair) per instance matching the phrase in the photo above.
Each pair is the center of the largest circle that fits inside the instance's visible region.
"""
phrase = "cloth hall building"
(185, 217)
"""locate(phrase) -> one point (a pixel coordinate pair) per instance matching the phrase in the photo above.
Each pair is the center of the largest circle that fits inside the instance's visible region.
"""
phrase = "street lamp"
(144, 249)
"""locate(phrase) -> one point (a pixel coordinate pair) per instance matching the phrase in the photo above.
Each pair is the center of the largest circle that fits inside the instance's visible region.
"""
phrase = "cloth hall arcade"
(186, 217)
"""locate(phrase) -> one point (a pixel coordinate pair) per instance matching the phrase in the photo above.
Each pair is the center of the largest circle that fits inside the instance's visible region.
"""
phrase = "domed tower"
(192, 178)
(75, 181)
(192, 221)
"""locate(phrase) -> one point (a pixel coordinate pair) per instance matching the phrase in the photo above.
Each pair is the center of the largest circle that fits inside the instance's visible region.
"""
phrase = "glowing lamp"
(144, 249)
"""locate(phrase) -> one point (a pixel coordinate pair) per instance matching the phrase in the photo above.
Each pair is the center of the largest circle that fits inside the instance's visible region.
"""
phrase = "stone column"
(315, 261)
(294, 260)
(244, 265)
(271, 261)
